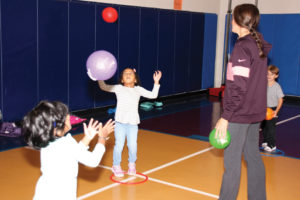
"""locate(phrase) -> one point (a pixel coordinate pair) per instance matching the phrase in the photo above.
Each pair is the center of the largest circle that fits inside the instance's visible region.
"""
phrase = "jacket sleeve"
(238, 74)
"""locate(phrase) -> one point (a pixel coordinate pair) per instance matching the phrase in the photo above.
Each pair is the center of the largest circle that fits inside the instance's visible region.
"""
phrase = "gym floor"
(173, 153)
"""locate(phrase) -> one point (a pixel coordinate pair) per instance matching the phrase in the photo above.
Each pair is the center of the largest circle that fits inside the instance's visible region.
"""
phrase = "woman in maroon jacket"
(244, 105)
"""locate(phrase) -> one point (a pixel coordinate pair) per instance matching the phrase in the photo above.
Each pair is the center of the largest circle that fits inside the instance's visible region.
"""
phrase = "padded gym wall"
(45, 45)
(282, 31)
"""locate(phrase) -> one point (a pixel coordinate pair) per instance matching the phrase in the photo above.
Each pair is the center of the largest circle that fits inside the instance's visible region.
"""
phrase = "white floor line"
(147, 172)
(106, 187)
(286, 120)
(178, 160)
(183, 187)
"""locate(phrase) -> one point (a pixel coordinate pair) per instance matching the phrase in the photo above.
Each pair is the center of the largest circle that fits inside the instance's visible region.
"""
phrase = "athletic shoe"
(117, 170)
(269, 149)
(263, 145)
(131, 169)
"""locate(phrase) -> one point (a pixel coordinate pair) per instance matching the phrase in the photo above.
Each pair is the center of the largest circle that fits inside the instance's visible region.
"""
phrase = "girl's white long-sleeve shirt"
(128, 100)
(59, 167)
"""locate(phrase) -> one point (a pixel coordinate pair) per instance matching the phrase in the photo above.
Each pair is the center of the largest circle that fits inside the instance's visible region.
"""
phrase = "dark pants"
(269, 131)
(244, 141)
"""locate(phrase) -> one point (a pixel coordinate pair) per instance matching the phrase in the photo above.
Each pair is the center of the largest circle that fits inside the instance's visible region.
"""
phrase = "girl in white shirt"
(128, 94)
(45, 128)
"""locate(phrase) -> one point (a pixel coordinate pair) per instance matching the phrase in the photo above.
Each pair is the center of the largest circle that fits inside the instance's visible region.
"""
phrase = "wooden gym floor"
(175, 156)
(177, 168)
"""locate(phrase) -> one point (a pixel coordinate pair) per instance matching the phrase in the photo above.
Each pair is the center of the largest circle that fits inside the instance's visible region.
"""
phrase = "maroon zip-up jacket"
(245, 97)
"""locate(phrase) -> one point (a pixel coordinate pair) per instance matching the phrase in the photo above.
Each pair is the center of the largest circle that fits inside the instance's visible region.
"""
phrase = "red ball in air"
(110, 15)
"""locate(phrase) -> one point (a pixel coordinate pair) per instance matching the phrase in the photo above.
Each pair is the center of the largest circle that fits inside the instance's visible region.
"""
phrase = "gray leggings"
(244, 141)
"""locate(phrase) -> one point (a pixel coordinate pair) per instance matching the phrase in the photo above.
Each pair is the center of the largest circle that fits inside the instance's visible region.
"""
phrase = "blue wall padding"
(209, 49)
(45, 45)
(148, 46)
(166, 50)
(196, 52)
(81, 37)
(106, 38)
(182, 44)
(53, 68)
(282, 31)
(286, 52)
(129, 37)
(19, 89)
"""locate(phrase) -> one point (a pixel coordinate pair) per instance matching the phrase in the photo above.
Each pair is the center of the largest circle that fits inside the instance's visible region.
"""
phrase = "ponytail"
(247, 16)
(255, 36)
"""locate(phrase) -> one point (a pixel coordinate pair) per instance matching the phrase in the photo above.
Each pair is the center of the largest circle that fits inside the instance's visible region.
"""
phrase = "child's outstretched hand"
(156, 76)
(104, 131)
(91, 130)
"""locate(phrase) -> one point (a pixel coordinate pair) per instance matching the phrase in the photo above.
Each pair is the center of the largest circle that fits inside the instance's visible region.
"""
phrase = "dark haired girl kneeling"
(45, 128)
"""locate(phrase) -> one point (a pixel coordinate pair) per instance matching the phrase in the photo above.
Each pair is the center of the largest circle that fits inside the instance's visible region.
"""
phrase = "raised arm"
(93, 158)
(107, 88)
(149, 94)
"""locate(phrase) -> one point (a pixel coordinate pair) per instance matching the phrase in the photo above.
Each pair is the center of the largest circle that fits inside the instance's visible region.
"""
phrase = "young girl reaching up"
(46, 128)
(128, 93)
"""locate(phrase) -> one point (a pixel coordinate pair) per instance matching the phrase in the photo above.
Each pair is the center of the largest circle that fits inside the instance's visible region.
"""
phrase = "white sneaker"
(131, 169)
(263, 145)
(117, 170)
(269, 149)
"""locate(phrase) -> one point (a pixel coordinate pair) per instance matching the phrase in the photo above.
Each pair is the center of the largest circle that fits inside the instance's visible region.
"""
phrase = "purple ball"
(101, 65)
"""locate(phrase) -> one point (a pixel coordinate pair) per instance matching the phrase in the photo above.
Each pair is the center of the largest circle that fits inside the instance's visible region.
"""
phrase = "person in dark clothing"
(244, 105)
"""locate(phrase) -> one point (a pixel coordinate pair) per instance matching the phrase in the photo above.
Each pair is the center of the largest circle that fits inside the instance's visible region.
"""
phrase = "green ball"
(216, 142)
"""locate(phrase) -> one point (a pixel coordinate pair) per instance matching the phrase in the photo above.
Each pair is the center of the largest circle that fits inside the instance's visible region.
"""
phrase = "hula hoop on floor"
(133, 183)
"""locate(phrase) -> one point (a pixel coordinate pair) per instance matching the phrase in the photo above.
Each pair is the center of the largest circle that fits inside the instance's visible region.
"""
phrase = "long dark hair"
(247, 16)
(39, 124)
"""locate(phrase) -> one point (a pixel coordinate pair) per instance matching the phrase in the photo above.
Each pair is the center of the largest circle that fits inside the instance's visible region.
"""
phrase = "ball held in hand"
(219, 143)
(101, 65)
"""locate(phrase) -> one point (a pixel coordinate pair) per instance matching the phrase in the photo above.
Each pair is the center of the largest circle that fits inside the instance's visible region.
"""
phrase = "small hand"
(106, 129)
(91, 130)
(221, 128)
(157, 76)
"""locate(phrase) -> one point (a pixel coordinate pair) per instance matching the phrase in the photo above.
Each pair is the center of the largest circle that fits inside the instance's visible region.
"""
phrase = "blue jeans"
(123, 131)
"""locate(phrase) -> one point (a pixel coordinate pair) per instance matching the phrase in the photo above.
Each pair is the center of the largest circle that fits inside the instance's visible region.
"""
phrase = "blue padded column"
(53, 50)
(209, 50)
(81, 45)
(286, 52)
(129, 34)
(196, 52)
(182, 51)
(19, 53)
(148, 46)
(106, 39)
(166, 37)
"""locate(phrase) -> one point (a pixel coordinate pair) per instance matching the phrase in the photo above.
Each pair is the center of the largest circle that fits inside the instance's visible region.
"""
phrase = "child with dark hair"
(244, 105)
(274, 101)
(127, 118)
(46, 128)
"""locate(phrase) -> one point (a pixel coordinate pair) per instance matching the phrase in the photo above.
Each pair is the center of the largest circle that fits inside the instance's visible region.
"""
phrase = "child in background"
(45, 128)
(274, 101)
(128, 93)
